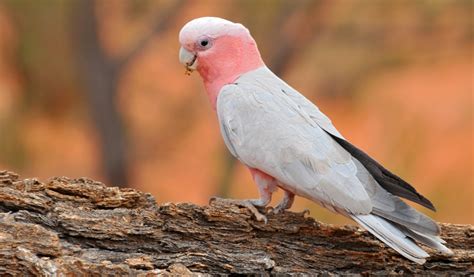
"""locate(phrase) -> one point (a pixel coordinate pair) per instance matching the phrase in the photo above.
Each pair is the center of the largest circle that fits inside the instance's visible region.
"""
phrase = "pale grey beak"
(188, 59)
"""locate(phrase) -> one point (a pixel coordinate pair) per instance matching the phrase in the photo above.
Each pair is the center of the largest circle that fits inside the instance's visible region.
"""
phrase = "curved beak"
(188, 59)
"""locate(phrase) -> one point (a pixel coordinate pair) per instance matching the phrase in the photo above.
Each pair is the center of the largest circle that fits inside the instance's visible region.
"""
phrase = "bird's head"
(220, 50)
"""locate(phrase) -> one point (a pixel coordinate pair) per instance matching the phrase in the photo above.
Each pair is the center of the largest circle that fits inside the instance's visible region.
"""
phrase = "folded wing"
(265, 130)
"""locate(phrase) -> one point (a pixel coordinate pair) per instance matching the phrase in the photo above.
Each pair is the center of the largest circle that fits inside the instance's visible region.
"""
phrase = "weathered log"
(79, 226)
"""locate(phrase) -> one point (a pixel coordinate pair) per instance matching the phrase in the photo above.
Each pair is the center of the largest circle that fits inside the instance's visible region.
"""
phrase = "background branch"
(101, 75)
(163, 22)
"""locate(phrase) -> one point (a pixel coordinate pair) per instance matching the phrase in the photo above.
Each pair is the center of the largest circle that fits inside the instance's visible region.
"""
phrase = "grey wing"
(379, 182)
(313, 111)
(228, 136)
(391, 207)
(265, 131)
(277, 130)
(267, 79)
(389, 181)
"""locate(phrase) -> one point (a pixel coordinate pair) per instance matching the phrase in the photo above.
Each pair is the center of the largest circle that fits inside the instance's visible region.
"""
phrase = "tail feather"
(390, 207)
(434, 242)
(392, 236)
(405, 215)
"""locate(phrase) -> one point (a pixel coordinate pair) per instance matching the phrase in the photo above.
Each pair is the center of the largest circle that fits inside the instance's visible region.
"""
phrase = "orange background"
(395, 77)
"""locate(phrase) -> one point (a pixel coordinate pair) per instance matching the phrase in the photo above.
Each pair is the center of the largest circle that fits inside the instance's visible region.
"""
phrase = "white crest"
(211, 27)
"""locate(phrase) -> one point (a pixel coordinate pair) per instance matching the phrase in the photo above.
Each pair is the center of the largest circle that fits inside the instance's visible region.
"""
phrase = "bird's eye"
(204, 42)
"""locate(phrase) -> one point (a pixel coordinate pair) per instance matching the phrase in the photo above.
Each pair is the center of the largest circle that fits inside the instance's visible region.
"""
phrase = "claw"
(212, 199)
(259, 216)
(269, 209)
(277, 210)
(245, 203)
(285, 203)
(303, 213)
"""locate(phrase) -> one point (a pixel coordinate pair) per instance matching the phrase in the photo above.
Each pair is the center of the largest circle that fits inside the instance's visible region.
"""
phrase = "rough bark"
(79, 226)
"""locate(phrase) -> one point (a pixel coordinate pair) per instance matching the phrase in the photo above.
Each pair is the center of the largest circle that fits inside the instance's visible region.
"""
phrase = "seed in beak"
(190, 66)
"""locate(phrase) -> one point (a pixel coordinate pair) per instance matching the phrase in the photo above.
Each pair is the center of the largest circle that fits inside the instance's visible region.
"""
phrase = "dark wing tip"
(389, 181)
(425, 202)
(396, 185)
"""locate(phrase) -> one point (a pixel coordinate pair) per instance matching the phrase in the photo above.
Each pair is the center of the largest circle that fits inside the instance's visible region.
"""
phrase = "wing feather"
(268, 125)
(265, 131)
(384, 177)
(389, 181)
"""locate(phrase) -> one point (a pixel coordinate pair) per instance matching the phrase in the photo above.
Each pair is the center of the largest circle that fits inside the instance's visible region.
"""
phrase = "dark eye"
(204, 42)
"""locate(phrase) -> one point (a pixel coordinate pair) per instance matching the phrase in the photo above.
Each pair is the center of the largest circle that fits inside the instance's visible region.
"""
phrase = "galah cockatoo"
(288, 143)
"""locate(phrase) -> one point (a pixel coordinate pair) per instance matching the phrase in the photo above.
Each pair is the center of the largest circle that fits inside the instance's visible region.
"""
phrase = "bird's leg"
(266, 186)
(285, 203)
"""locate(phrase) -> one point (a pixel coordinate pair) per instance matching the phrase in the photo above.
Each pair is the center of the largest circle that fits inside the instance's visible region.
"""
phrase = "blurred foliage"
(395, 77)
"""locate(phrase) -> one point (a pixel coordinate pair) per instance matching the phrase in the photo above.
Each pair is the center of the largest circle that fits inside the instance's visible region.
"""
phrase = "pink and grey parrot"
(288, 143)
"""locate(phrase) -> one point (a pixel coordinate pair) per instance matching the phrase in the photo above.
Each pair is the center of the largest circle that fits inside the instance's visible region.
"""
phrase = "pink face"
(220, 53)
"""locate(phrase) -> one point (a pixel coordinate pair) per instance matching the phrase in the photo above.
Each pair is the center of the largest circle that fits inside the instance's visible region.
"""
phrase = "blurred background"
(94, 88)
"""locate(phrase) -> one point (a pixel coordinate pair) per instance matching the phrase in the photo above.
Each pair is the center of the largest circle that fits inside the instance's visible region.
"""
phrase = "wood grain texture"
(79, 226)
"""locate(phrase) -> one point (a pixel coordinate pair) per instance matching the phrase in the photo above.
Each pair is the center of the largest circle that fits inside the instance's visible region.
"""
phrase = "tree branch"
(163, 21)
(82, 227)
(101, 77)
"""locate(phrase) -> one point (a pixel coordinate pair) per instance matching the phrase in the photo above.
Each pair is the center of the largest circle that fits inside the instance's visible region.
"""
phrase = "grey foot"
(250, 204)
(303, 213)
(285, 203)
(278, 210)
